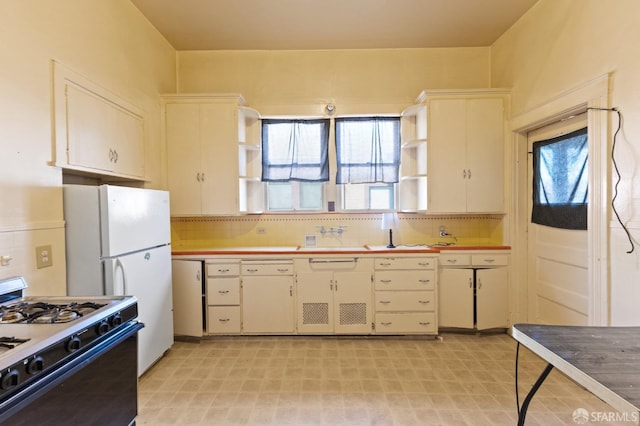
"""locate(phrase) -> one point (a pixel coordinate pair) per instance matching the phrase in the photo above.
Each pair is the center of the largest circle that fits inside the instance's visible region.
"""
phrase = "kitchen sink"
(332, 249)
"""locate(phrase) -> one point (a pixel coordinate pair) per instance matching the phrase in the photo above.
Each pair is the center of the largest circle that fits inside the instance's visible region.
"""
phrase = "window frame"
(332, 193)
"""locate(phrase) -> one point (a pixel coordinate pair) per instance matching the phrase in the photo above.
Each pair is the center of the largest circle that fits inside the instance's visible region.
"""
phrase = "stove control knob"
(115, 320)
(102, 328)
(73, 344)
(10, 379)
(36, 365)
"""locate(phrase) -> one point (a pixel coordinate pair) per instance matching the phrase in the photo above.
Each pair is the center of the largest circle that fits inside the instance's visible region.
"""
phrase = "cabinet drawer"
(223, 291)
(402, 323)
(405, 280)
(223, 269)
(455, 260)
(490, 259)
(267, 269)
(384, 263)
(223, 319)
(405, 301)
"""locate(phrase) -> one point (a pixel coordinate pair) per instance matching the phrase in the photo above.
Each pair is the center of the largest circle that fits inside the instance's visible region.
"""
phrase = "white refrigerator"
(118, 242)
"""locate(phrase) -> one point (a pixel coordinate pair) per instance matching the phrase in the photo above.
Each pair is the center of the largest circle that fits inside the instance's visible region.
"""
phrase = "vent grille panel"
(353, 313)
(315, 313)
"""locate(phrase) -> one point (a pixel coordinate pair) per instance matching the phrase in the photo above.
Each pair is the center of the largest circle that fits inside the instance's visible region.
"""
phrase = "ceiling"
(331, 24)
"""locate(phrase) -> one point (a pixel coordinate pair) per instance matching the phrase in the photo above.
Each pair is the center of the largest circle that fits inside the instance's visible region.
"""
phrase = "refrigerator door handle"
(120, 266)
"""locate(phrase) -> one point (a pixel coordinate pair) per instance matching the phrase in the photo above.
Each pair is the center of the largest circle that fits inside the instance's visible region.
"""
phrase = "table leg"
(522, 412)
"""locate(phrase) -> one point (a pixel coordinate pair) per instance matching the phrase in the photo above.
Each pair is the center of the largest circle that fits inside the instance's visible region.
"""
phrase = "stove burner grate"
(45, 313)
(11, 342)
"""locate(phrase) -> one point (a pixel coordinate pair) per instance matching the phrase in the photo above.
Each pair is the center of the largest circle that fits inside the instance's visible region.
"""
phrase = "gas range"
(43, 337)
(31, 325)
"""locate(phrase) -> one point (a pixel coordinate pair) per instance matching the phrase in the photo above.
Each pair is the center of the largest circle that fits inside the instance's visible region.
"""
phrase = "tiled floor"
(459, 380)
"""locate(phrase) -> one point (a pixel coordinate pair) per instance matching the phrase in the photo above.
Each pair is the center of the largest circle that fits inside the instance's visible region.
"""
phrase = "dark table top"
(605, 360)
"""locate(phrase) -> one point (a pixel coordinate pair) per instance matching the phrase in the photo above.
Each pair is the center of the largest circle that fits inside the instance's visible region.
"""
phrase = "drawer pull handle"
(385, 302)
(424, 281)
(424, 263)
(385, 281)
(385, 264)
(224, 320)
(223, 291)
(452, 260)
(283, 270)
(488, 260)
(424, 302)
(424, 323)
(252, 270)
(387, 323)
(223, 270)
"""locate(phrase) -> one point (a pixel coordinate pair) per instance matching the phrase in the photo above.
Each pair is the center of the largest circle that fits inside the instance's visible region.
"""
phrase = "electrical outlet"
(44, 256)
(261, 230)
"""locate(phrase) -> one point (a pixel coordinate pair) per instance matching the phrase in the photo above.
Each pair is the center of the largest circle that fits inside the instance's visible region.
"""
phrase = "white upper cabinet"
(452, 158)
(213, 149)
(466, 153)
(96, 131)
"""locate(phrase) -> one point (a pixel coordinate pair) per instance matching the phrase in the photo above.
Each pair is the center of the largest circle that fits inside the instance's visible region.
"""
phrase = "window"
(560, 181)
(368, 160)
(295, 162)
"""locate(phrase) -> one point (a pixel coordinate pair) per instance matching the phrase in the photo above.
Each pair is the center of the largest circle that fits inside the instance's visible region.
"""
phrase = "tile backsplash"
(357, 229)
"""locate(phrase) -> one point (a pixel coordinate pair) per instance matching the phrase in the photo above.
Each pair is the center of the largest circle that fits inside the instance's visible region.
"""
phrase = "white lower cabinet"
(334, 296)
(223, 296)
(405, 296)
(267, 297)
(473, 291)
(187, 297)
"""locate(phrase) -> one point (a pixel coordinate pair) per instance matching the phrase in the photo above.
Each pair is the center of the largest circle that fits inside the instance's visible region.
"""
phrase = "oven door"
(98, 387)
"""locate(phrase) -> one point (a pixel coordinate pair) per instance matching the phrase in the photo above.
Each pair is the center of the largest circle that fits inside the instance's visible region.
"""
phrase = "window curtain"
(295, 150)
(560, 181)
(368, 149)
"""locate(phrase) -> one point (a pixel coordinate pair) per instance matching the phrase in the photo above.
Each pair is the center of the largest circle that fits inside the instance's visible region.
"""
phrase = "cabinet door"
(455, 293)
(447, 155)
(219, 152)
(485, 155)
(267, 304)
(187, 297)
(314, 292)
(491, 298)
(353, 302)
(183, 152)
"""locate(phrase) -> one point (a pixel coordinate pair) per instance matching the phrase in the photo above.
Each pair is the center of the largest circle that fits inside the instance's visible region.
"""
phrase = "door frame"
(592, 94)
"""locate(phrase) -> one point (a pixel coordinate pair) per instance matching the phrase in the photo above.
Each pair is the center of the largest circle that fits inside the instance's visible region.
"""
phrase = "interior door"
(557, 259)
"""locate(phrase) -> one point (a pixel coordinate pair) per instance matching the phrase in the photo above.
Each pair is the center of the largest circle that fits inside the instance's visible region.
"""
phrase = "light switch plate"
(44, 257)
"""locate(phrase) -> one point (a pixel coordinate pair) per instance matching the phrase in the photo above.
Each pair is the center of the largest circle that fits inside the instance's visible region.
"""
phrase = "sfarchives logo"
(582, 416)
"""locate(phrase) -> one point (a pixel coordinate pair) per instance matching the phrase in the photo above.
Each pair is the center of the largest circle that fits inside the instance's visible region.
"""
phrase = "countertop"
(297, 250)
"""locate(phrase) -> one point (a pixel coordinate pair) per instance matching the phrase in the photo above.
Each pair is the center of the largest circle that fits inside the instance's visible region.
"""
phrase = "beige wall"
(357, 82)
(354, 80)
(110, 43)
(558, 45)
